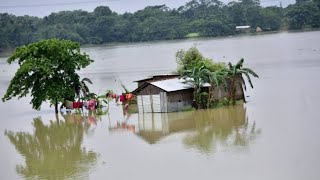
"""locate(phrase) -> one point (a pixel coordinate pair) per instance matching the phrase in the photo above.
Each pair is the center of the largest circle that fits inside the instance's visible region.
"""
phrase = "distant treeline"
(206, 18)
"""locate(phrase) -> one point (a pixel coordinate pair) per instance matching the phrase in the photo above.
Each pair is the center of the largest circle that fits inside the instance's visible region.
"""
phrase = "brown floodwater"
(273, 136)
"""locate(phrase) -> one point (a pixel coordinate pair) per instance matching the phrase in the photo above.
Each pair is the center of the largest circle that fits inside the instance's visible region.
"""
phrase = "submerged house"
(168, 93)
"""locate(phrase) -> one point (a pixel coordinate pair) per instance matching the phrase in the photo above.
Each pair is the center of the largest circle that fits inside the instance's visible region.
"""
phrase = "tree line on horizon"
(205, 18)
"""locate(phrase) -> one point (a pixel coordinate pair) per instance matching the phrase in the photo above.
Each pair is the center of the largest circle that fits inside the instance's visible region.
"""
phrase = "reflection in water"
(205, 129)
(227, 126)
(53, 151)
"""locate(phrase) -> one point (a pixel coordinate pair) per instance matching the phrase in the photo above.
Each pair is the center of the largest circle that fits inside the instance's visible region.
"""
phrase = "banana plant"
(217, 80)
(235, 71)
(196, 77)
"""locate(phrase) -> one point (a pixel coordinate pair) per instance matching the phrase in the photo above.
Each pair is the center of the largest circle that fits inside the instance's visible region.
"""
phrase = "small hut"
(164, 94)
(169, 95)
(160, 94)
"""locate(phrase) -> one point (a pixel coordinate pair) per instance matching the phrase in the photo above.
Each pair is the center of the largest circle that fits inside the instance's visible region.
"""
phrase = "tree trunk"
(234, 95)
(209, 97)
(56, 106)
(57, 118)
(230, 91)
(233, 91)
(196, 97)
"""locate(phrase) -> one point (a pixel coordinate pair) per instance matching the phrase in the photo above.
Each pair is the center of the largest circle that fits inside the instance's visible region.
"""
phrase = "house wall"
(151, 99)
(154, 99)
(179, 100)
(150, 103)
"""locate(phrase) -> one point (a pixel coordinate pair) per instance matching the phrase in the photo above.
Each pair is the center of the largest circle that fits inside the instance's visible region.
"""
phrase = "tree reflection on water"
(54, 151)
(224, 127)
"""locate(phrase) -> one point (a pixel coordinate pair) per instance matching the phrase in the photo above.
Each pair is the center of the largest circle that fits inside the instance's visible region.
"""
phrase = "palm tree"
(216, 79)
(196, 77)
(234, 72)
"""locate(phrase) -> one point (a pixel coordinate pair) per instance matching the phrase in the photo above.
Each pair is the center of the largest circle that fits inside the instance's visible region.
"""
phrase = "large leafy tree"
(303, 15)
(47, 71)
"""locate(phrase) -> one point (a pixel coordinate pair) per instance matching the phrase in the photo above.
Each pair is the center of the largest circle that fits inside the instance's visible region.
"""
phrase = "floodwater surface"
(273, 136)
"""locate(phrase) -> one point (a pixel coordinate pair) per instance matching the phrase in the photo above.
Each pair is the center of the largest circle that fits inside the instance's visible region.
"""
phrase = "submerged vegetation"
(197, 18)
(224, 79)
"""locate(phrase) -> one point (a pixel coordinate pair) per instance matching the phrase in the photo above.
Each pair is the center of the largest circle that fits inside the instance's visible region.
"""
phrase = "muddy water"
(273, 136)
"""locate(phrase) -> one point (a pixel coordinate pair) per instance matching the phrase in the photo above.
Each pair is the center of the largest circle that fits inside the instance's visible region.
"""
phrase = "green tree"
(271, 18)
(187, 60)
(303, 15)
(235, 72)
(47, 71)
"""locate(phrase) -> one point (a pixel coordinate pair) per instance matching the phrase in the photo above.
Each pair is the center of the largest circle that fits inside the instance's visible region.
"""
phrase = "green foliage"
(187, 60)
(304, 14)
(206, 18)
(47, 70)
(197, 70)
(271, 18)
(195, 76)
(236, 72)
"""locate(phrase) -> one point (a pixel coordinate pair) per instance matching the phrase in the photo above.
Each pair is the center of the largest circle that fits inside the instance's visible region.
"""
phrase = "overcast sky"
(45, 7)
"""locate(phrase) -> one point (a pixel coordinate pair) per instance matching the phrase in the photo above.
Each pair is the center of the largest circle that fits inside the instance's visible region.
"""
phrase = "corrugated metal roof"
(155, 76)
(175, 84)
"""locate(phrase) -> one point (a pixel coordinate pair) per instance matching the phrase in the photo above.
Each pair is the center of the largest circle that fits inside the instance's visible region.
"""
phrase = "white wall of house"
(152, 103)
